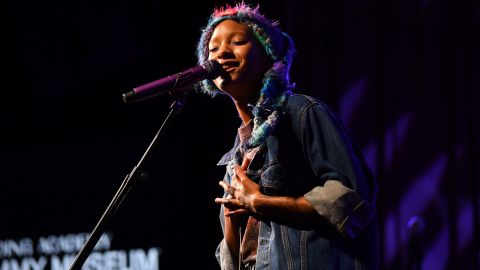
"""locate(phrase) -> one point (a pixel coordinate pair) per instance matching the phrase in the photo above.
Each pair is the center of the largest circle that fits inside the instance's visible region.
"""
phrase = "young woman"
(298, 194)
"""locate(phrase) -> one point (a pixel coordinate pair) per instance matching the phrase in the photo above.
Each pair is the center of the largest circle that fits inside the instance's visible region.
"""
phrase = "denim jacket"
(311, 154)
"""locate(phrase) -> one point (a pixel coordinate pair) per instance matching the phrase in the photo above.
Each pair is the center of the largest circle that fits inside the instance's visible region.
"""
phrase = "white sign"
(58, 252)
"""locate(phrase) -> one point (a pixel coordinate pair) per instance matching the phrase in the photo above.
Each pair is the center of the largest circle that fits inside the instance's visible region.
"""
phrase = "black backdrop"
(403, 75)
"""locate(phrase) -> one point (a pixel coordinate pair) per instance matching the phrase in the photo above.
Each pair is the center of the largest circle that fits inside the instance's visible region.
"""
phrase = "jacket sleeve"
(342, 207)
(225, 257)
(345, 189)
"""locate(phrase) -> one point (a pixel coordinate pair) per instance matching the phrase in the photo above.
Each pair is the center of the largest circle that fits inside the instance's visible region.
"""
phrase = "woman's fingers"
(221, 200)
(228, 202)
(245, 163)
(230, 190)
(231, 203)
(223, 185)
(239, 211)
(239, 173)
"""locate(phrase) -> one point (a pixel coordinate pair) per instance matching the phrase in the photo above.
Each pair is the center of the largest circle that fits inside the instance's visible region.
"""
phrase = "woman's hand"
(247, 191)
(242, 192)
(232, 206)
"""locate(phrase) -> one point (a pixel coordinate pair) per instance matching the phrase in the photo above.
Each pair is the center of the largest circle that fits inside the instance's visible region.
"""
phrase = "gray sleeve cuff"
(225, 257)
(342, 207)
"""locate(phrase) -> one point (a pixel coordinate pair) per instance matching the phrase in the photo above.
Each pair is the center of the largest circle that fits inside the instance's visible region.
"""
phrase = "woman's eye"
(240, 42)
(213, 49)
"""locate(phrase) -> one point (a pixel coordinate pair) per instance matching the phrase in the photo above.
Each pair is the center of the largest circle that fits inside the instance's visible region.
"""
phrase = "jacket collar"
(227, 157)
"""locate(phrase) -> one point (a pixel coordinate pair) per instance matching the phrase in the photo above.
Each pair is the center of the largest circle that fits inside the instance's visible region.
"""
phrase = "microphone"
(176, 83)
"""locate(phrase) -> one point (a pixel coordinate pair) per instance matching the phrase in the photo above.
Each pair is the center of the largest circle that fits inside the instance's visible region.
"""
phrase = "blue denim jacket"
(311, 154)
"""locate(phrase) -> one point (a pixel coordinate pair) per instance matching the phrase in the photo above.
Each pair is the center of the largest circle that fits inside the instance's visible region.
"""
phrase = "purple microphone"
(175, 83)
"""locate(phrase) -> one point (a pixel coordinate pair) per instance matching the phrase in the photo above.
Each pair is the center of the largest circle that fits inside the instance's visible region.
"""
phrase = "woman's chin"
(223, 83)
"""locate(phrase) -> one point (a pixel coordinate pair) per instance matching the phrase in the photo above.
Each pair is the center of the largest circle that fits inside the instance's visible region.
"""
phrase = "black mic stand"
(128, 183)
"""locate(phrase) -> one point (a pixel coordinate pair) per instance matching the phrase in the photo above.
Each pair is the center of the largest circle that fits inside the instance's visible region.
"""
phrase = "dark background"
(403, 75)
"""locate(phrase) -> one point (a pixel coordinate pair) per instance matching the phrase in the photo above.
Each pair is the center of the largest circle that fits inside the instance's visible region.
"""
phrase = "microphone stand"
(133, 178)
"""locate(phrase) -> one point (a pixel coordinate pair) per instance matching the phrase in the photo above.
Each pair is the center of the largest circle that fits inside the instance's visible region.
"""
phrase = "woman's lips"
(229, 66)
(229, 69)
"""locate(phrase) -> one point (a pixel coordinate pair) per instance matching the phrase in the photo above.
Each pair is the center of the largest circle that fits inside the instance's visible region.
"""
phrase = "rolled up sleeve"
(225, 257)
(342, 207)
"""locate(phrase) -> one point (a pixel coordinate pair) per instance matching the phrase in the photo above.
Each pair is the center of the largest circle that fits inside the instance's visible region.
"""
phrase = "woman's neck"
(243, 111)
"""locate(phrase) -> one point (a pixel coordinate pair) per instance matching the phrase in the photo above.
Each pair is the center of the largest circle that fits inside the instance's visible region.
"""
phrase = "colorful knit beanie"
(276, 82)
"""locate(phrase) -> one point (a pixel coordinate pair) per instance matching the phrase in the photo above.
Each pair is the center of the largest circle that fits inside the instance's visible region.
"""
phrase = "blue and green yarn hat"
(276, 82)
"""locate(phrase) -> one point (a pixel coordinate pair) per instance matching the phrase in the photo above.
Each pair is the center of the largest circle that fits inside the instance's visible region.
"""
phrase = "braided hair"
(276, 85)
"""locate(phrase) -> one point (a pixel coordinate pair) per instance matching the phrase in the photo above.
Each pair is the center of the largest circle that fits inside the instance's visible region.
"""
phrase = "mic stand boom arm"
(128, 183)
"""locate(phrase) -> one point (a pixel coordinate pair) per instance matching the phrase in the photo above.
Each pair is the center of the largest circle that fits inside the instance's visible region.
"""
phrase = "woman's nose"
(224, 52)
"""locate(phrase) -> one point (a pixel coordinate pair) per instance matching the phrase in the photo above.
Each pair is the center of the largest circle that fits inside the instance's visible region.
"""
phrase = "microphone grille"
(213, 68)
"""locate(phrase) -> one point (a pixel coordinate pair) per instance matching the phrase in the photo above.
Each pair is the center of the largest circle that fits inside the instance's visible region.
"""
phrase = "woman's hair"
(276, 82)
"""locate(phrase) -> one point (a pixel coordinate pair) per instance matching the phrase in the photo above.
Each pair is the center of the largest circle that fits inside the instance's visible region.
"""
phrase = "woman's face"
(243, 60)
